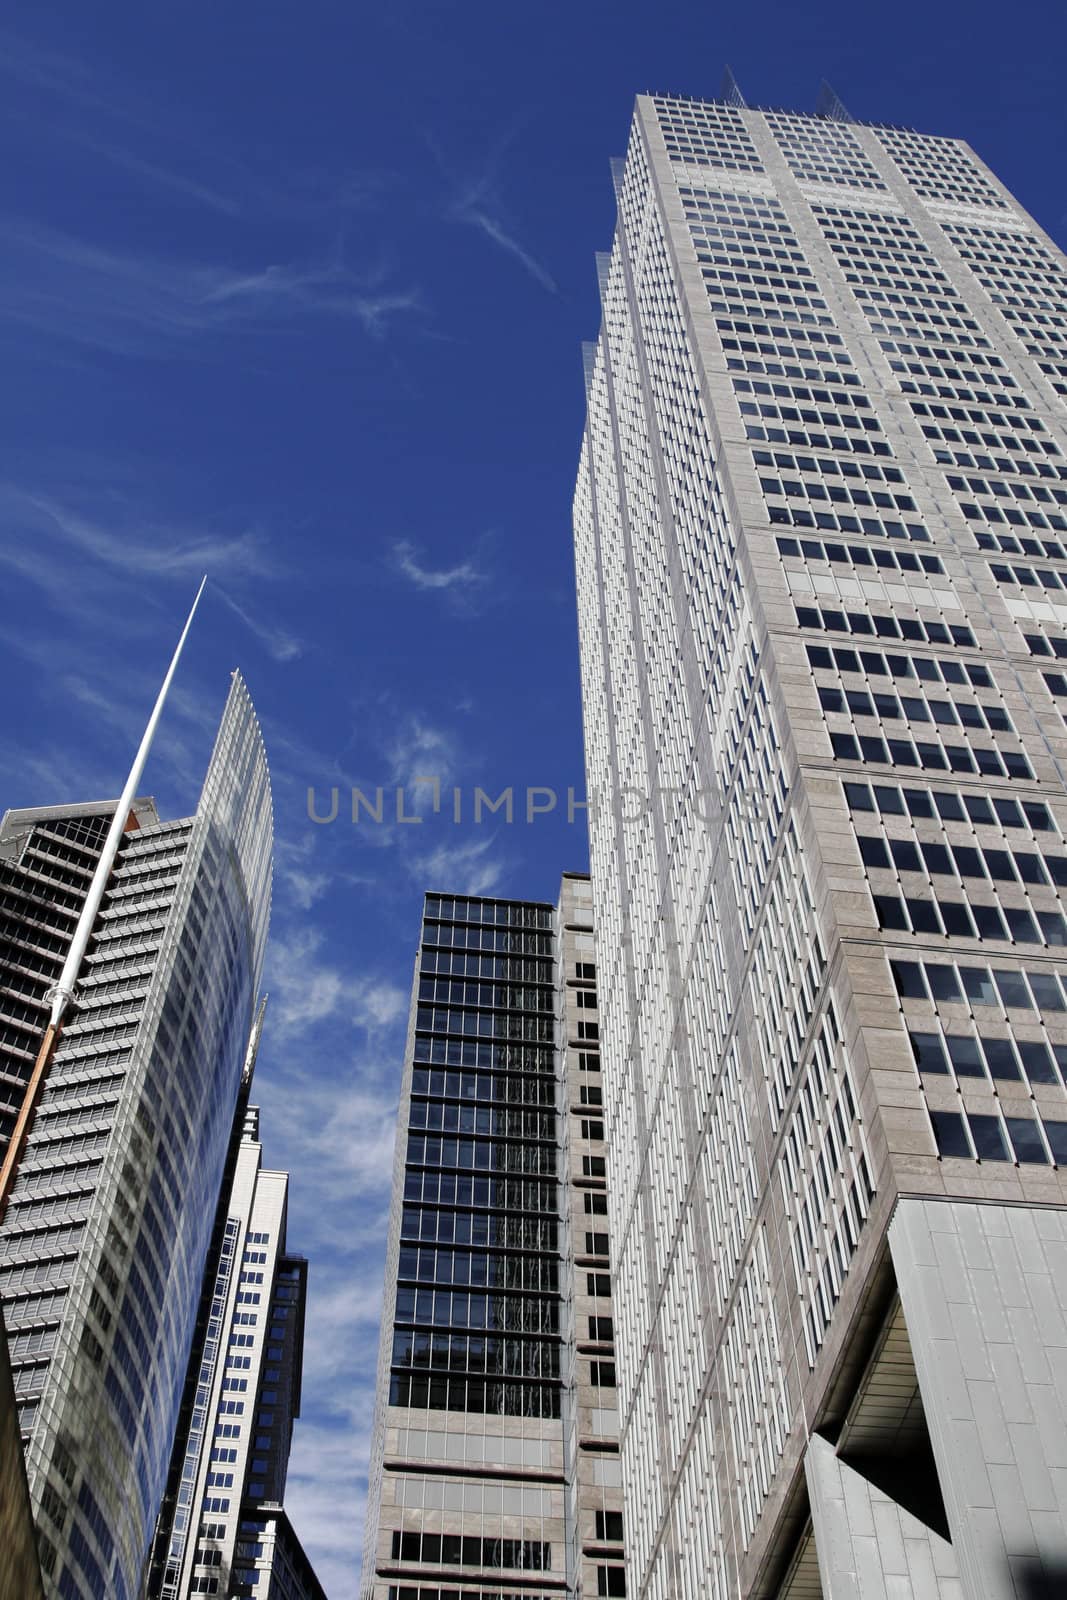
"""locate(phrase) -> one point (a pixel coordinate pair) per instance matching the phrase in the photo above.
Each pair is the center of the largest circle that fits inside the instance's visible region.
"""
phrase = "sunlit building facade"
(107, 1225)
(231, 1453)
(494, 1467)
(821, 540)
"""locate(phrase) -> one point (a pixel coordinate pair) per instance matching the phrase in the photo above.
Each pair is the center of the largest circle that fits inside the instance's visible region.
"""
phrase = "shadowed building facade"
(821, 541)
(494, 1467)
(107, 1222)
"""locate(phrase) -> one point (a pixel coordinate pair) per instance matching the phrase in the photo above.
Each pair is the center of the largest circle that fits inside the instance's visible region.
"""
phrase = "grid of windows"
(822, 151)
(706, 134)
(939, 169)
(461, 1233)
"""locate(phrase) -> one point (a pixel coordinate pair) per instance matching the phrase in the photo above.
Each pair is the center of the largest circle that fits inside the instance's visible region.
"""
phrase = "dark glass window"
(950, 1134)
(965, 1055)
(908, 977)
(929, 1052)
(1025, 1135)
(979, 986)
(988, 1136)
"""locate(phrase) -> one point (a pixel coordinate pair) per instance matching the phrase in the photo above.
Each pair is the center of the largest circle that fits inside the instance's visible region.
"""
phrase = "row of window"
(1019, 519)
(531, 968)
(1040, 644)
(509, 941)
(504, 913)
(873, 664)
(485, 1024)
(969, 1055)
(989, 1136)
(519, 1089)
(963, 758)
(1027, 576)
(960, 919)
(827, 467)
(502, 1122)
(465, 991)
(512, 1056)
(484, 1396)
(911, 628)
(1017, 989)
(915, 708)
(978, 809)
(446, 1308)
(426, 1264)
(410, 1591)
(963, 861)
(511, 1231)
(995, 441)
(462, 1352)
(481, 1155)
(860, 555)
(811, 439)
(503, 1194)
(448, 1550)
(829, 521)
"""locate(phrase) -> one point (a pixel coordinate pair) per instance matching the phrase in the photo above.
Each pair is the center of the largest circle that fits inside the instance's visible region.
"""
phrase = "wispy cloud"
(467, 868)
(465, 575)
(282, 646)
(54, 283)
(296, 875)
(132, 543)
(476, 202)
(308, 989)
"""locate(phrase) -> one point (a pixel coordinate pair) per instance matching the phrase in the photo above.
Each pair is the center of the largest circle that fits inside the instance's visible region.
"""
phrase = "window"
(950, 1134)
(601, 1329)
(598, 1284)
(602, 1374)
(1025, 1135)
(611, 1580)
(988, 1136)
(609, 1526)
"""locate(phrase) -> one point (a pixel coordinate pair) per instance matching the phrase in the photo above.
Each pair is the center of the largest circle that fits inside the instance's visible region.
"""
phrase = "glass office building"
(106, 1229)
(821, 541)
(494, 1465)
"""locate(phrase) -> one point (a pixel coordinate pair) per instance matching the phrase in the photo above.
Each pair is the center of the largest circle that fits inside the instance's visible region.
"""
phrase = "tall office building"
(821, 536)
(494, 1465)
(109, 1214)
(231, 1453)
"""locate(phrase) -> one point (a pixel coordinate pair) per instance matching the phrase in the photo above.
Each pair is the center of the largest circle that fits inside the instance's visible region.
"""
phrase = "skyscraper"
(494, 1466)
(821, 538)
(108, 1217)
(231, 1452)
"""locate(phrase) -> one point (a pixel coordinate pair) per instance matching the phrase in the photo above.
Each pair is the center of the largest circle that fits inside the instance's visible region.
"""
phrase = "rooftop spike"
(729, 91)
(63, 992)
(830, 105)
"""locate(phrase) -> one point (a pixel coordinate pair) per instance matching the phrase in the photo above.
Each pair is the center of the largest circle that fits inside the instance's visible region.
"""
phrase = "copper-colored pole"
(24, 1124)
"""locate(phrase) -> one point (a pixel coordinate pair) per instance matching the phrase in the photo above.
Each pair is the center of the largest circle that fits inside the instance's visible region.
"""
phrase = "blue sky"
(295, 295)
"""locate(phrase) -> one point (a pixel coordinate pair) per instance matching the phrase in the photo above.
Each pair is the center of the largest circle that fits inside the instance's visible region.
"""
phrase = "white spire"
(63, 992)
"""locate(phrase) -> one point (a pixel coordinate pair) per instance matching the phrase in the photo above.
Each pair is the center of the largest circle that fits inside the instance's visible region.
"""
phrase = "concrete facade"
(820, 543)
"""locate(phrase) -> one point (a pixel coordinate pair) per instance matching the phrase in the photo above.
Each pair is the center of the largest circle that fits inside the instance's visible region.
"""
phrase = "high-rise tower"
(242, 1392)
(108, 1219)
(494, 1469)
(821, 536)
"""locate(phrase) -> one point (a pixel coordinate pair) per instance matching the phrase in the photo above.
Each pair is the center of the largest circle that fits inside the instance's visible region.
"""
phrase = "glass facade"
(496, 1427)
(103, 1244)
(476, 1322)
